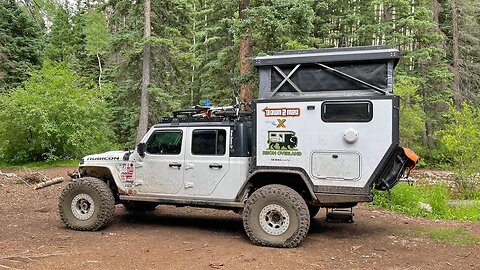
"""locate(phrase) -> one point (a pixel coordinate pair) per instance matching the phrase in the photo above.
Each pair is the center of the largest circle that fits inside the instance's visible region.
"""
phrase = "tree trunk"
(100, 70)
(246, 89)
(457, 91)
(145, 99)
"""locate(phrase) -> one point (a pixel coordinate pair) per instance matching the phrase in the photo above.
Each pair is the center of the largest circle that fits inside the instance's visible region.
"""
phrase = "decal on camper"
(282, 143)
(281, 112)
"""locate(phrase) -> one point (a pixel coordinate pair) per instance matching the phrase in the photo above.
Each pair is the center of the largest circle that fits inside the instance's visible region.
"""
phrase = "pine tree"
(21, 44)
(61, 41)
(170, 63)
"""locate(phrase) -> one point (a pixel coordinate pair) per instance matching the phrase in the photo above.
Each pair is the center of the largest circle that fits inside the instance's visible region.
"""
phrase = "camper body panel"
(338, 152)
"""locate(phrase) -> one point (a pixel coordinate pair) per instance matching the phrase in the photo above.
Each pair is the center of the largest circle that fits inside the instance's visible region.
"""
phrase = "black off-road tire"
(139, 207)
(88, 189)
(279, 198)
(313, 210)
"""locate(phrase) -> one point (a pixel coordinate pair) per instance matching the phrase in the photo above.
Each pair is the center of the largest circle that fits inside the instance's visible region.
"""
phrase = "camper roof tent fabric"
(333, 71)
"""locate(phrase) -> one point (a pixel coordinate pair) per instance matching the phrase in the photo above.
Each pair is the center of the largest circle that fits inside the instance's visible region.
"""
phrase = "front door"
(206, 159)
(161, 170)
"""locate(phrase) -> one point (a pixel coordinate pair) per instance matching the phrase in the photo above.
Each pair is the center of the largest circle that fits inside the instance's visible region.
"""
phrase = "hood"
(107, 157)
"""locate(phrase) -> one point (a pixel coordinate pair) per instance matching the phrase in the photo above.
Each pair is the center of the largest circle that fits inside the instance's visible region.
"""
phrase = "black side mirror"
(141, 149)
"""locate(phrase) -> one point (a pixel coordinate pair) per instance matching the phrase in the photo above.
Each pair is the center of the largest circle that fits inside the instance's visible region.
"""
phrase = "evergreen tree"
(61, 41)
(170, 63)
(21, 44)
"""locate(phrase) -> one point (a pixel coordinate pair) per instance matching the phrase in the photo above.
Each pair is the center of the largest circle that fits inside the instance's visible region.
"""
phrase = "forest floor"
(32, 236)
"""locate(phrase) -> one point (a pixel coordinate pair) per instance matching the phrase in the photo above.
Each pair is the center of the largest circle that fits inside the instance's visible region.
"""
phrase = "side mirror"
(141, 149)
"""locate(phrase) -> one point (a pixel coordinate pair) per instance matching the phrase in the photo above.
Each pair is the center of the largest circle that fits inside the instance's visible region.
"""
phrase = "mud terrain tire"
(276, 216)
(86, 204)
(139, 207)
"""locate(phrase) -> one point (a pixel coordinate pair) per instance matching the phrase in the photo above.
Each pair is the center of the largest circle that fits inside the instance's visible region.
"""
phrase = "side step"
(344, 215)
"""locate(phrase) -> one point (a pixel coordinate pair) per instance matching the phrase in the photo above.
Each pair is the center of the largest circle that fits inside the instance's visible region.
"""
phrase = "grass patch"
(408, 199)
(41, 164)
(455, 236)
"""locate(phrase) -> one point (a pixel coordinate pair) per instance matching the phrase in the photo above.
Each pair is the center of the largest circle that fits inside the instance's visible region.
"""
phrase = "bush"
(412, 116)
(406, 199)
(53, 115)
(461, 139)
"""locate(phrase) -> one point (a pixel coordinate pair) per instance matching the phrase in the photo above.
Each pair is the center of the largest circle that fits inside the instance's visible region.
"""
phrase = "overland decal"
(282, 143)
(281, 112)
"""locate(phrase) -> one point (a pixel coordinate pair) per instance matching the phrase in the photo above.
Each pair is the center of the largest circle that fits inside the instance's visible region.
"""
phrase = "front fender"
(104, 172)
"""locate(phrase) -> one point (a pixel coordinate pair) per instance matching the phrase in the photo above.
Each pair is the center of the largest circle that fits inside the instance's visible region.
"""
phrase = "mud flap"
(401, 163)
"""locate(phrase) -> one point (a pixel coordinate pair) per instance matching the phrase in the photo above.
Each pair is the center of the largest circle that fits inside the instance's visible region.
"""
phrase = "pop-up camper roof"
(334, 71)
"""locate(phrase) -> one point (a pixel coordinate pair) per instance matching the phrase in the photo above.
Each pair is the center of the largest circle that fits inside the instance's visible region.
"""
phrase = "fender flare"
(295, 171)
(113, 172)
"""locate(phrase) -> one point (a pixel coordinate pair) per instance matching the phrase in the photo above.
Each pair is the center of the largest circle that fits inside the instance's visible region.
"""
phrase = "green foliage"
(412, 116)
(170, 62)
(21, 44)
(60, 45)
(407, 199)
(41, 164)
(277, 25)
(54, 115)
(96, 33)
(461, 138)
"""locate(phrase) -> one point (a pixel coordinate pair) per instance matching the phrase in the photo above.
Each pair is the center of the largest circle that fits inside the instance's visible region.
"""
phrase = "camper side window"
(341, 111)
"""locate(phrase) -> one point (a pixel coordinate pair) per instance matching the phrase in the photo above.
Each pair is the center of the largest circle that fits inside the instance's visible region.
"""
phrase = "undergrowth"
(41, 164)
(415, 200)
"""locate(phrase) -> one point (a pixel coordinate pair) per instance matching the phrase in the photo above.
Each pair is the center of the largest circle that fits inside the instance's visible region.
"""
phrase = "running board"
(183, 201)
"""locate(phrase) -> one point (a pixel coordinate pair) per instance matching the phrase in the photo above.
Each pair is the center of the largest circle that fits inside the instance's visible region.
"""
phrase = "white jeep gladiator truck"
(323, 132)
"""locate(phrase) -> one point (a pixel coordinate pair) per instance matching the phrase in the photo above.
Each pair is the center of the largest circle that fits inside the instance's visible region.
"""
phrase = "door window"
(165, 143)
(211, 142)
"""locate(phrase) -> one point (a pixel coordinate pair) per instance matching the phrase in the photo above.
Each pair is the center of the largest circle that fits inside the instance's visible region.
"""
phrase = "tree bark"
(246, 89)
(145, 99)
(100, 70)
(457, 91)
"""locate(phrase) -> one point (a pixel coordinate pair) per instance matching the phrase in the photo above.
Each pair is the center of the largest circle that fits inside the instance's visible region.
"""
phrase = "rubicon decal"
(102, 158)
(281, 112)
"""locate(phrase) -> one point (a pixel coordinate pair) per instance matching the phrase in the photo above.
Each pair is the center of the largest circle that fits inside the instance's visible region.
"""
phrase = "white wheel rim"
(274, 219)
(83, 206)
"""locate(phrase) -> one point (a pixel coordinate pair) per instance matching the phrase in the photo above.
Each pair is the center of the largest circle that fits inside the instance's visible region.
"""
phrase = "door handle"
(215, 165)
(178, 165)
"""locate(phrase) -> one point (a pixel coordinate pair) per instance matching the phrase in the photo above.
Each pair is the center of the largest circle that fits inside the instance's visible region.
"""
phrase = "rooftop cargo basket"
(324, 72)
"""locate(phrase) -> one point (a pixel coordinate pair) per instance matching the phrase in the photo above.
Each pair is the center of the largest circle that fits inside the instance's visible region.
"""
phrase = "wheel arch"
(295, 179)
(106, 174)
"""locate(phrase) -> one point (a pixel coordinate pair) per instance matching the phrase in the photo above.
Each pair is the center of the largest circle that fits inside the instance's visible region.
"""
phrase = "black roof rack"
(349, 54)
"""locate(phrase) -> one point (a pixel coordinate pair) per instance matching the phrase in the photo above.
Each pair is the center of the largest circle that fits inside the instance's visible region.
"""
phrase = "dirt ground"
(33, 237)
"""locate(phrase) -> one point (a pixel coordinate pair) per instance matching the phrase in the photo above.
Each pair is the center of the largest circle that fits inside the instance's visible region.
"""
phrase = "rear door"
(206, 159)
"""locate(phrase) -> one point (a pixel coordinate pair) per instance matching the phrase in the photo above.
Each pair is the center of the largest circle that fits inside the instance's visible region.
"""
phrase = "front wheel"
(276, 216)
(86, 204)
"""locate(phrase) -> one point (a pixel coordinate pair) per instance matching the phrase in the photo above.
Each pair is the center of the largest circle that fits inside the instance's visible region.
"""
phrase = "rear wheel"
(86, 204)
(276, 216)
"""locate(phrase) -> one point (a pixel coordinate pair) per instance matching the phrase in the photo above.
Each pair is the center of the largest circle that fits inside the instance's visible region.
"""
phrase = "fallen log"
(8, 175)
(47, 183)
